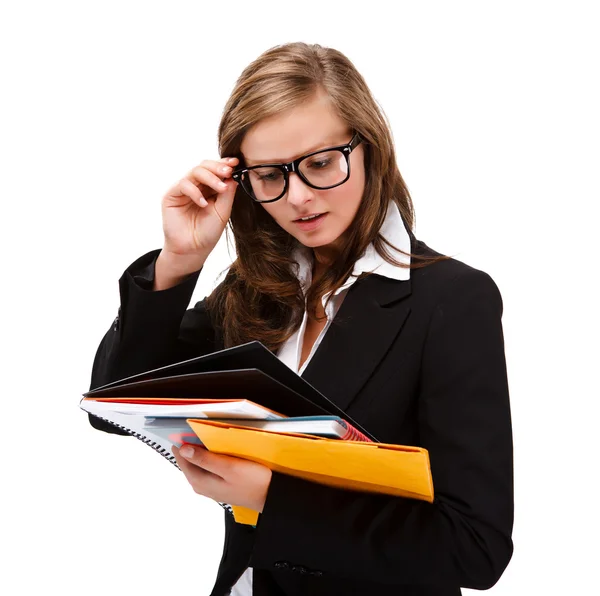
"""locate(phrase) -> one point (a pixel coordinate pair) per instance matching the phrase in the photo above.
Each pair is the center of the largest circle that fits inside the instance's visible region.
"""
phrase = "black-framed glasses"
(323, 169)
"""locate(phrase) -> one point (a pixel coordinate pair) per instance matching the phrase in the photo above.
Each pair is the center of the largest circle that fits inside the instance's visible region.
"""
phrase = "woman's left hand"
(224, 478)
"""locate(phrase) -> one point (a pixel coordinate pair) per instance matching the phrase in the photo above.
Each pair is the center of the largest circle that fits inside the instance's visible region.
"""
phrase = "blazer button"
(300, 569)
(281, 565)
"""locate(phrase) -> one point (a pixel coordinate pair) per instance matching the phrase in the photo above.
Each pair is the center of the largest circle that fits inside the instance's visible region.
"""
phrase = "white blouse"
(290, 353)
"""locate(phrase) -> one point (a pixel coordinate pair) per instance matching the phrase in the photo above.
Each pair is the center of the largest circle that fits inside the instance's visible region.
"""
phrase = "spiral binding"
(159, 448)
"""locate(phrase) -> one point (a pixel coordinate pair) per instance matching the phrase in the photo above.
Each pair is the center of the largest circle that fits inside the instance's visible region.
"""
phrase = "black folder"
(248, 371)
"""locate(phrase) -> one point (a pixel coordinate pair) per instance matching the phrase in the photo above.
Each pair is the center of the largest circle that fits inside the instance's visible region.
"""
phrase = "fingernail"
(226, 169)
(187, 451)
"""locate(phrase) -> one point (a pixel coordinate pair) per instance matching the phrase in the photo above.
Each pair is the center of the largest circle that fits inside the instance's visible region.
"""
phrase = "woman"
(330, 277)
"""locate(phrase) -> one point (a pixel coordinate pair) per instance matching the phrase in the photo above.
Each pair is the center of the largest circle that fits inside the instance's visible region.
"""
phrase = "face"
(285, 137)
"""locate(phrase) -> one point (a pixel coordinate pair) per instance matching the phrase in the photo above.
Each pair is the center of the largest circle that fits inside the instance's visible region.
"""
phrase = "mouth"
(311, 217)
(312, 223)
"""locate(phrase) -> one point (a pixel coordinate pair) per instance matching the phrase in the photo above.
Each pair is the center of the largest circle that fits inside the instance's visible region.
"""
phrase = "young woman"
(330, 277)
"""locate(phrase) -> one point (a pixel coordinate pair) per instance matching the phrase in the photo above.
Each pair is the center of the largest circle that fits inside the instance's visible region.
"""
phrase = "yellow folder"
(369, 467)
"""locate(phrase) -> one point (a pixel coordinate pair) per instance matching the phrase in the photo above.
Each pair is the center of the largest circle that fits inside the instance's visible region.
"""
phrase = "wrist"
(171, 269)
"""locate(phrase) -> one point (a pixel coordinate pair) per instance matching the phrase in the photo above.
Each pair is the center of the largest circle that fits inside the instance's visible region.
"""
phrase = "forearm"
(362, 536)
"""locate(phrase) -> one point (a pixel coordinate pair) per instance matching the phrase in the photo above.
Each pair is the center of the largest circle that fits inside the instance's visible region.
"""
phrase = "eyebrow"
(323, 145)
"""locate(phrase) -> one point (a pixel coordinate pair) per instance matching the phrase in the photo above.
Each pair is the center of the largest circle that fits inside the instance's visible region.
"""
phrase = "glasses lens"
(326, 168)
(264, 184)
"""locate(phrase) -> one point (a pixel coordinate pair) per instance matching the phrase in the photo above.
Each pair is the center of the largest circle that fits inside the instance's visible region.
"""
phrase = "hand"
(226, 479)
(195, 211)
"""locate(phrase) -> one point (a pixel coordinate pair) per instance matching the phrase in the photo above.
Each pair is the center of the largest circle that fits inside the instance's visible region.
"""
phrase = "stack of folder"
(252, 374)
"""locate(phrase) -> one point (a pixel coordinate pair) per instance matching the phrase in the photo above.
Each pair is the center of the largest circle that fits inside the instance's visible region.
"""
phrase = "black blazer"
(417, 362)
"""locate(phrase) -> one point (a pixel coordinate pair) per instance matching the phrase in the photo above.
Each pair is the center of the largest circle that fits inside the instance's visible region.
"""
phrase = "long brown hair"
(261, 297)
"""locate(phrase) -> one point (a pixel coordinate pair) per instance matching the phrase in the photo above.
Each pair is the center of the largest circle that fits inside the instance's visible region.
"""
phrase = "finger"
(197, 457)
(188, 188)
(218, 464)
(202, 481)
(209, 178)
(221, 168)
(231, 161)
(224, 201)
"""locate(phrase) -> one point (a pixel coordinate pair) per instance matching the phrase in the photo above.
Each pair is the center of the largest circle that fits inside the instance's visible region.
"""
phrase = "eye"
(266, 175)
(270, 177)
(319, 164)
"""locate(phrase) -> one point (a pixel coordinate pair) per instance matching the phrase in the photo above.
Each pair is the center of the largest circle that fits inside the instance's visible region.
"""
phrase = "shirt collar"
(392, 230)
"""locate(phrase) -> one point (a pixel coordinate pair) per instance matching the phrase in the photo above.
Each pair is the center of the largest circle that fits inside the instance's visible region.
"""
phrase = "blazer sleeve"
(152, 329)
(462, 538)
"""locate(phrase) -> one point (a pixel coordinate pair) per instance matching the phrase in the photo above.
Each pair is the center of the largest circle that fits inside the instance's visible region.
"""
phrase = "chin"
(317, 240)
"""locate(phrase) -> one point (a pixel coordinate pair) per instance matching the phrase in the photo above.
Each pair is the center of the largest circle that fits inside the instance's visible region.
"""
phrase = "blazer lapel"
(369, 319)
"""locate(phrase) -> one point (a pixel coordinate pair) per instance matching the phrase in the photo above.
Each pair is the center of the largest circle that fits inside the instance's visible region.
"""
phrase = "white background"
(494, 110)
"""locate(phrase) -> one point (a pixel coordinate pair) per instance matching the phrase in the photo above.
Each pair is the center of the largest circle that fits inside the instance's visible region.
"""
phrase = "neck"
(324, 256)
(320, 264)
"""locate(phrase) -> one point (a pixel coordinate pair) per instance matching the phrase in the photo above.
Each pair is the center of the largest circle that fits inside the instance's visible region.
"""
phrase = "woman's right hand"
(195, 211)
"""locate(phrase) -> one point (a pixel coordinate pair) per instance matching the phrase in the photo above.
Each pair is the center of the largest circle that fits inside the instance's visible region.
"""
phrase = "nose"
(298, 193)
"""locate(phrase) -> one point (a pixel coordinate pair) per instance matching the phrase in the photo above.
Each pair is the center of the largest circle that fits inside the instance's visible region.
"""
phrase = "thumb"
(224, 200)
(211, 462)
